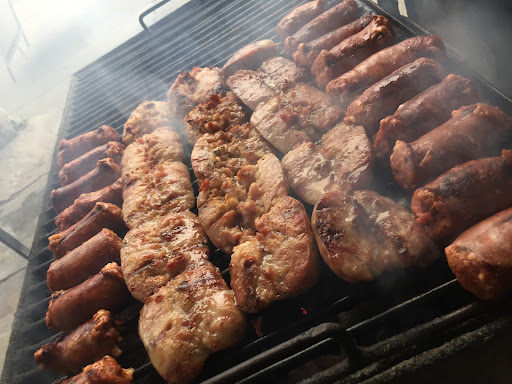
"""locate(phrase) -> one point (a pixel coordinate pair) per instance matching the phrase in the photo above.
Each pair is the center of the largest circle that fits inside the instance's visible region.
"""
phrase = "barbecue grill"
(416, 325)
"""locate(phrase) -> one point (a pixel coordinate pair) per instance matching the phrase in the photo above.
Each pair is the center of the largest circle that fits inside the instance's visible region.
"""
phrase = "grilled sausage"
(250, 57)
(82, 206)
(106, 172)
(103, 215)
(384, 97)
(84, 261)
(333, 18)
(463, 196)
(473, 132)
(424, 112)
(481, 257)
(104, 371)
(72, 307)
(80, 166)
(84, 345)
(77, 146)
(299, 16)
(354, 82)
(347, 54)
(307, 52)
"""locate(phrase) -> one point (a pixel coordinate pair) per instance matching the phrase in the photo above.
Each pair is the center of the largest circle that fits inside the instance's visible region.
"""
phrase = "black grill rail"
(374, 332)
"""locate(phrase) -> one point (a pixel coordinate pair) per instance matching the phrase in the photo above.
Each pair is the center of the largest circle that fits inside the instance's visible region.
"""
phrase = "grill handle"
(149, 11)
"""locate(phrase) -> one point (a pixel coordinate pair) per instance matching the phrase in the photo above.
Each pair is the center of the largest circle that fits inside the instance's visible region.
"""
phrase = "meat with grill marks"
(298, 17)
(104, 371)
(347, 227)
(342, 159)
(147, 117)
(186, 320)
(157, 251)
(250, 57)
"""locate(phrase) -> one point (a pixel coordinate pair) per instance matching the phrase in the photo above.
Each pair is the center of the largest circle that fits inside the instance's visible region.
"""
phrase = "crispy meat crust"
(148, 116)
(104, 371)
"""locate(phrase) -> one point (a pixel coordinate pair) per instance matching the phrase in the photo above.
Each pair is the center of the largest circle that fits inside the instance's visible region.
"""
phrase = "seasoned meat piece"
(105, 173)
(220, 113)
(463, 196)
(343, 159)
(165, 188)
(353, 50)
(157, 251)
(186, 320)
(299, 115)
(71, 149)
(386, 95)
(299, 16)
(155, 148)
(280, 73)
(250, 57)
(227, 152)
(105, 290)
(103, 215)
(147, 117)
(307, 52)
(87, 162)
(84, 261)
(104, 371)
(193, 87)
(333, 18)
(354, 82)
(473, 132)
(84, 345)
(229, 206)
(348, 228)
(481, 257)
(279, 262)
(424, 112)
(82, 206)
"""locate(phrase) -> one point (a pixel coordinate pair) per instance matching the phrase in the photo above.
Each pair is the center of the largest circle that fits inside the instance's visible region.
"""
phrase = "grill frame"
(479, 321)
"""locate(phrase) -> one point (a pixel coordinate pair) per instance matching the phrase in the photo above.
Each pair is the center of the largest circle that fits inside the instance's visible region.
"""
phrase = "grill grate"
(378, 325)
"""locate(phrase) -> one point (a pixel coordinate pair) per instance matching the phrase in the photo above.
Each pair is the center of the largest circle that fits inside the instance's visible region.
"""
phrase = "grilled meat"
(347, 227)
(104, 371)
(148, 116)
(250, 57)
(299, 16)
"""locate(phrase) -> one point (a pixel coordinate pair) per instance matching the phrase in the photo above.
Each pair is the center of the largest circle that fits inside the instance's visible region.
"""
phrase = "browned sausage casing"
(463, 196)
(384, 97)
(80, 166)
(481, 257)
(106, 172)
(346, 55)
(307, 52)
(70, 308)
(424, 112)
(86, 344)
(84, 261)
(354, 82)
(77, 146)
(250, 57)
(104, 371)
(103, 215)
(333, 18)
(82, 206)
(299, 16)
(473, 132)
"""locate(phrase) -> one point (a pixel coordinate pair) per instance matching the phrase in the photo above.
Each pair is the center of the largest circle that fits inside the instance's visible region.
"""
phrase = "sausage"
(77, 146)
(84, 345)
(299, 16)
(82, 206)
(106, 172)
(333, 18)
(103, 215)
(474, 131)
(347, 54)
(424, 112)
(307, 52)
(104, 371)
(463, 196)
(80, 166)
(72, 307)
(384, 97)
(353, 83)
(250, 57)
(84, 261)
(481, 258)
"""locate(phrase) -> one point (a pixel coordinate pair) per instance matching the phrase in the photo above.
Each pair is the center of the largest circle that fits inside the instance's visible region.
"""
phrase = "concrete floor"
(62, 38)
